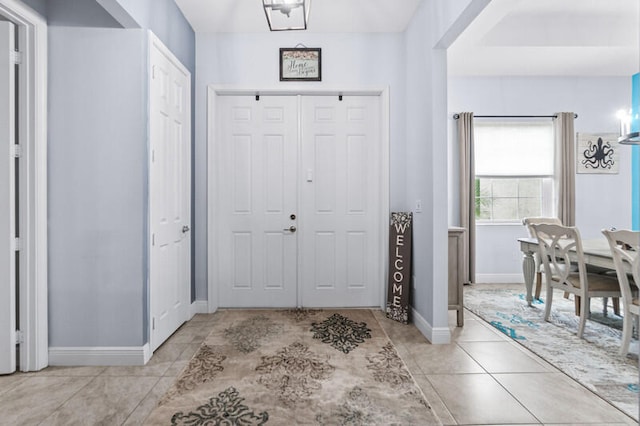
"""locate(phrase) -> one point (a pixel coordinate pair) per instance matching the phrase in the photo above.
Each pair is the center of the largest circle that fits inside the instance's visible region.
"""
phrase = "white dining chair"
(559, 246)
(625, 249)
(527, 222)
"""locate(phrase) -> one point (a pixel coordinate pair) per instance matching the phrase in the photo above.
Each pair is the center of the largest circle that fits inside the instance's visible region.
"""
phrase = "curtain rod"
(456, 116)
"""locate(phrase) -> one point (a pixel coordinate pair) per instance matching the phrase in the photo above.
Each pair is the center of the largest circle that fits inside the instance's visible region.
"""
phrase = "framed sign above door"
(300, 64)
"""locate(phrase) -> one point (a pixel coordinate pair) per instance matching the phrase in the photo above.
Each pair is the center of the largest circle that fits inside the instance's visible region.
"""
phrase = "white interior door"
(7, 201)
(169, 193)
(340, 221)
(314, 157)
(257, 196)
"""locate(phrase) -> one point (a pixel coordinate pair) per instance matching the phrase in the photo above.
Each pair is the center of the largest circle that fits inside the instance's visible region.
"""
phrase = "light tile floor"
(484, 378)
(481, 378)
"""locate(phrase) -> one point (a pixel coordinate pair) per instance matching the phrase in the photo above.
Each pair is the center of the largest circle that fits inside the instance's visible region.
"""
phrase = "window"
(514, 166)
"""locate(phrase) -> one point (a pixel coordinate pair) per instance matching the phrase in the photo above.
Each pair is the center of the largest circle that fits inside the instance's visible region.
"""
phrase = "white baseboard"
(99, 356)
(198, 307)
(437, 335)
(499, 278)
(440, 336)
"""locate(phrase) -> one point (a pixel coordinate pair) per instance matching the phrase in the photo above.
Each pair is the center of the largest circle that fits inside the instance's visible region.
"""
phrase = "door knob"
(291, 229)
(185, 229)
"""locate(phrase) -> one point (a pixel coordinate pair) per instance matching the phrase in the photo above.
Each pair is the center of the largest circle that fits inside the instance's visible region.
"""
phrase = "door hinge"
(16, 57)
(17, 244)
(19, 337)
(153, 239)
(153, 323)
(16, 150)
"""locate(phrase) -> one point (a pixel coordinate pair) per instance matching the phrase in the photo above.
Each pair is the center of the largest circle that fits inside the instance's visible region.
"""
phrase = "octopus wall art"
(597, 154)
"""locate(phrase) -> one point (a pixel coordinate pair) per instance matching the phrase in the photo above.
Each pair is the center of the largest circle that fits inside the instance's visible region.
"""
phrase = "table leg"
(528, 270)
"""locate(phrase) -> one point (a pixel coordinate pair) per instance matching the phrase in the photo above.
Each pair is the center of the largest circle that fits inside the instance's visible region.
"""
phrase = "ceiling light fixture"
(632, 138)
(627, 137)
(286, 15)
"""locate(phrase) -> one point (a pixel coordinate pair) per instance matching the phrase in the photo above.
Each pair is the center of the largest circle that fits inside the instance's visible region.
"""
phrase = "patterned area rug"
(592, 361)
(294, 367)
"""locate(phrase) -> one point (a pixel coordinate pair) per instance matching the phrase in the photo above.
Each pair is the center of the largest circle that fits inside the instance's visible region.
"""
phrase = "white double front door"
(299, 193)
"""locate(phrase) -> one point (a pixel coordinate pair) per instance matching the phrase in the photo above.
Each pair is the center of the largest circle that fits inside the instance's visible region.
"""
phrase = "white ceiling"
(509, 37)
(247, 16)
(550, 37)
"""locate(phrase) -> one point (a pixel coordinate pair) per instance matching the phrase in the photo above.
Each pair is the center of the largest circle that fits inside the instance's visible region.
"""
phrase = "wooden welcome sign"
(399, 267)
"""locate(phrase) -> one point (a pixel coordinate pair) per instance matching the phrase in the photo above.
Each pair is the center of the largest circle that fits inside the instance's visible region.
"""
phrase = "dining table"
(596, 253)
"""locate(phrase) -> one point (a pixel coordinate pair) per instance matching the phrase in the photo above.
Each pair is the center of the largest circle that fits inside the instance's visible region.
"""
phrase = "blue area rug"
(593, 361)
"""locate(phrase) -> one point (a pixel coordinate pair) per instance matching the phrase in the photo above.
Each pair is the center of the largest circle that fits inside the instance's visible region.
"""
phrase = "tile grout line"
(409, 370)
(63, 403)
(557, 370)
(174, 378)
(142, 400)
(426, 378)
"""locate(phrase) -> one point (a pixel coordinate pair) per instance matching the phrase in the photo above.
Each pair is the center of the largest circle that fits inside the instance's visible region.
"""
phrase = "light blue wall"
(39, 6)
(98, 116)
(166, 20)
(448, 18)
(418, 123)
(97, 186)
(426, 162)
(251, 60)
(75, 13)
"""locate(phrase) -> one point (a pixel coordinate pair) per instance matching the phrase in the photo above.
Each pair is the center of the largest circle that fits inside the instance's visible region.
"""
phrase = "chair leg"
(584, 313)
(627, 330)
(547, 303)
(576, 300)
(538, 285)
(615, 302)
